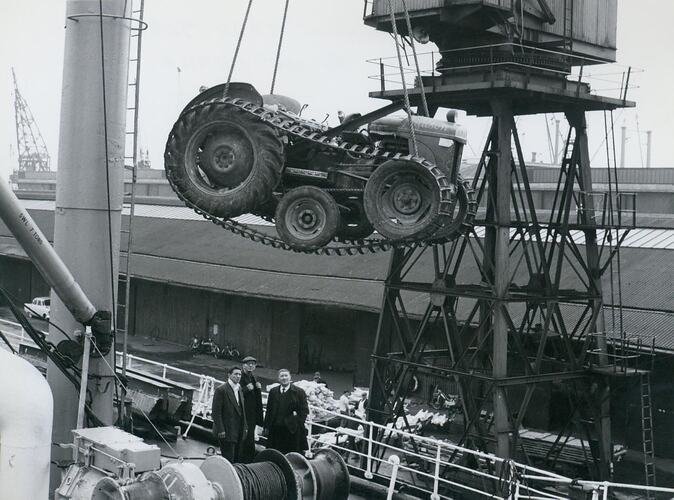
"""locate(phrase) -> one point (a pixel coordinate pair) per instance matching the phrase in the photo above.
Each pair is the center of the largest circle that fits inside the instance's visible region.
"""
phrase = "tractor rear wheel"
(223, 160)
(307, 217)
(402, 200)
(452, 227)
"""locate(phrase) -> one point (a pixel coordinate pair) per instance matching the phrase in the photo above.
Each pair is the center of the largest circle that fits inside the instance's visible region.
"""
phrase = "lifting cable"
(262, 481)
(617, 257)
(424, 103)
(236, 51)
(610, 212)
(408, 108)
(280, 44)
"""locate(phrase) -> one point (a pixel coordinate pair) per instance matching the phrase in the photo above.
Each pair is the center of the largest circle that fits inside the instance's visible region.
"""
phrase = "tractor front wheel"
(307, 217)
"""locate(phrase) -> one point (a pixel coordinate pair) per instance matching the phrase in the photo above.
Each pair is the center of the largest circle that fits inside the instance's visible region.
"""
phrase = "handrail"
(527, 482)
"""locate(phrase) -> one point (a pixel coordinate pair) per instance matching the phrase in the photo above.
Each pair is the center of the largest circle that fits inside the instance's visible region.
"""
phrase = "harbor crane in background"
(31, 149)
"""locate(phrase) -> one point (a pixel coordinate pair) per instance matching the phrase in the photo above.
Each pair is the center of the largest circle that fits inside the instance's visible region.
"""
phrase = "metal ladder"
(131, 164)
(647, 431)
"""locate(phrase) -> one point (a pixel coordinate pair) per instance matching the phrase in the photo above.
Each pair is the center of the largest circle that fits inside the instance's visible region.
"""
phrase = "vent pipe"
(25, 430)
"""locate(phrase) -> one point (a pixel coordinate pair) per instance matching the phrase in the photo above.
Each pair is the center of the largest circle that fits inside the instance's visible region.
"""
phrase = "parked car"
(39, 308)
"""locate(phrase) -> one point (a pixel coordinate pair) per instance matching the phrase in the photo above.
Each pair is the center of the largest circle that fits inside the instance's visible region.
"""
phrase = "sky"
(323, 63)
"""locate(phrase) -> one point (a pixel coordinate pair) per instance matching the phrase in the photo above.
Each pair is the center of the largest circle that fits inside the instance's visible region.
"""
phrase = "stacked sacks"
(319, 398)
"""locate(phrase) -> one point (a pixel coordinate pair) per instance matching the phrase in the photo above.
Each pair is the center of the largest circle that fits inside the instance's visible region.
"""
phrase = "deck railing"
(434, 467)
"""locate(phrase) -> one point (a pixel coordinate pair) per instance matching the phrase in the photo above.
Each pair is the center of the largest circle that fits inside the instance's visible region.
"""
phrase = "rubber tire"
(362, 227)
(378, 218)
(332, 216)
(265, 172)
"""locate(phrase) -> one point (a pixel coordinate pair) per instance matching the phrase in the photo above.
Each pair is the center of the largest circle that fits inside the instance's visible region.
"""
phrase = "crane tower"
(32, 152)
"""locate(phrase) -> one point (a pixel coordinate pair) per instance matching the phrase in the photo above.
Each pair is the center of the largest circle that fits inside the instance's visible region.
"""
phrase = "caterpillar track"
(455, 211)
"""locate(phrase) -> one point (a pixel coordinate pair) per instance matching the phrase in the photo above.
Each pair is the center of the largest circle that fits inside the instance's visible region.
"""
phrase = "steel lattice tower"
(32, 152)
(514, 308)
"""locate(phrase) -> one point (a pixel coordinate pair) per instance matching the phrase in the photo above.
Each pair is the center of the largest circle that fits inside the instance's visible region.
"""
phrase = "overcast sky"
(323, 64)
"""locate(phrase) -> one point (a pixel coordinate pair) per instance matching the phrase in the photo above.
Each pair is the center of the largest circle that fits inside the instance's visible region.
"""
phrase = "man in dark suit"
(287, 409)
(252, 395)
(229, 420)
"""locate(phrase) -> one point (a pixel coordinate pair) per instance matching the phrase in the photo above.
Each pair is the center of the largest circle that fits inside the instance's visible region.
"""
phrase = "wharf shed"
(308, 312)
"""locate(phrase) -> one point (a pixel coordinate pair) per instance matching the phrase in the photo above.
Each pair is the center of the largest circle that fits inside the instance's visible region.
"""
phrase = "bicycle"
(229, 352)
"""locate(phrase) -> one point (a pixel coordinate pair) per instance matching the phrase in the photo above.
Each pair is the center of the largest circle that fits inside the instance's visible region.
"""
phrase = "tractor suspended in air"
(233, 151)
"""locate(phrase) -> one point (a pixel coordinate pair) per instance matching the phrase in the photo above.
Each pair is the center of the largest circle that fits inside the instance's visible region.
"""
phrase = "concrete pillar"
(82, 221)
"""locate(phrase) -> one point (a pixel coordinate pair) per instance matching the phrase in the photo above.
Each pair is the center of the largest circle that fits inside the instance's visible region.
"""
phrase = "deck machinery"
(527, 335)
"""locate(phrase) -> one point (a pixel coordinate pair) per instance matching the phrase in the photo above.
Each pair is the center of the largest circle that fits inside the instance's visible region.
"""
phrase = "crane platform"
(475, 92)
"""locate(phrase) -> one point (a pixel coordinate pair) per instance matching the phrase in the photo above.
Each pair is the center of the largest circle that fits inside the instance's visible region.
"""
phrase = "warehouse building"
(190, 278)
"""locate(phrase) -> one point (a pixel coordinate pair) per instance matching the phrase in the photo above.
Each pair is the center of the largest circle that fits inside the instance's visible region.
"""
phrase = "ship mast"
(89, 192)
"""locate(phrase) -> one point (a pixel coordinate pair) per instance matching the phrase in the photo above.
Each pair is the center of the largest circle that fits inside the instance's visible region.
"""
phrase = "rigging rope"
(107, 170)
(280, 44)
(11, 347)
(408, 108)
(236, 51)
(126, 390)
(617, 257)
(610, 208)
(424, 102)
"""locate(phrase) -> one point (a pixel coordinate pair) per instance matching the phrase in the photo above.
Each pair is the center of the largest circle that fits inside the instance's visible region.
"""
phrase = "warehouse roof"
(174, 245)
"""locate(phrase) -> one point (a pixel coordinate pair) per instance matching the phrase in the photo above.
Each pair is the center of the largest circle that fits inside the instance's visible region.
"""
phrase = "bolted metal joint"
(101, 329)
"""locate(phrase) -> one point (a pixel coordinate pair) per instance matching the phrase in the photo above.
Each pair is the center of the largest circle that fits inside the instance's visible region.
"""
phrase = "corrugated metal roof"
(179, 250)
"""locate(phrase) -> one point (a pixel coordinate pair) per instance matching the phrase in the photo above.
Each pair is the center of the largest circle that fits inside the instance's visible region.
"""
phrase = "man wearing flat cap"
(252, 395)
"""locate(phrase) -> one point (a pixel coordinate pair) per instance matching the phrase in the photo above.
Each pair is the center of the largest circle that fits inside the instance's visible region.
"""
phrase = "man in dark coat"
(229, 418)
(287, 409)
(252, 395)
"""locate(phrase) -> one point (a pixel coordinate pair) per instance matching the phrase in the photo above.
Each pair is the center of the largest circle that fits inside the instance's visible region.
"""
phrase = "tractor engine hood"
(429, 127)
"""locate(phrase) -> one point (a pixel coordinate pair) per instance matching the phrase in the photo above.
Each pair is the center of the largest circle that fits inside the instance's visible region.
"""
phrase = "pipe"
(649, 145)
(43, 255)
(85, 377)
(25, 430)
(623, 143)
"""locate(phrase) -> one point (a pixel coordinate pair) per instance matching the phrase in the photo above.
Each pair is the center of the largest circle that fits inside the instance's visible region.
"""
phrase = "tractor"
(233, 151)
